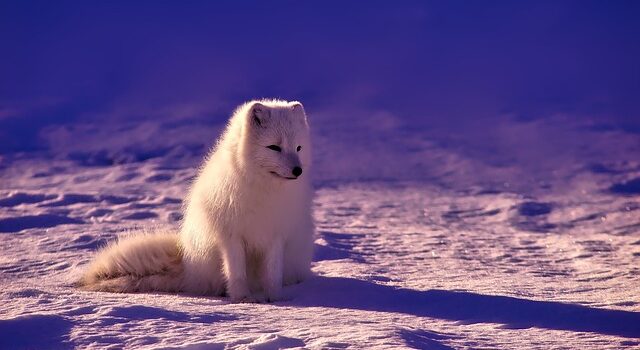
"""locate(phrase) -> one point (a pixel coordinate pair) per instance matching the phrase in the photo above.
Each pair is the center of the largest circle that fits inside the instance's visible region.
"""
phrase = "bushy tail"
(146, 262)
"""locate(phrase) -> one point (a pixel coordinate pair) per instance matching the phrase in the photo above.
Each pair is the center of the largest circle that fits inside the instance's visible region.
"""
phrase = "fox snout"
(287, 166)
(292, 166)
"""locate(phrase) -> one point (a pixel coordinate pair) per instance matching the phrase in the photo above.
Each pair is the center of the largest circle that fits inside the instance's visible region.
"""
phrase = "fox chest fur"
(265, 216)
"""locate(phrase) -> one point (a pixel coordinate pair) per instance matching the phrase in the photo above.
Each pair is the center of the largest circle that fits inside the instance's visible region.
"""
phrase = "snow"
(476, 169)
(445, 256)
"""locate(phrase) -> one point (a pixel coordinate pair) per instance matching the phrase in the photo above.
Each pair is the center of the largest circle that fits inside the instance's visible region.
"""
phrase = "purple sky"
(435, 63)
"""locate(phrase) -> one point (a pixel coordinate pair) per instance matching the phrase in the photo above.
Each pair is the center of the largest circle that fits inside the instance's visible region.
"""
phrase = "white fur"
(143, 262)
(247, 227)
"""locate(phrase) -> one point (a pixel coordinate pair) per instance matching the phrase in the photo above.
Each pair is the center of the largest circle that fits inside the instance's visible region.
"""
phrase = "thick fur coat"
(247, 226)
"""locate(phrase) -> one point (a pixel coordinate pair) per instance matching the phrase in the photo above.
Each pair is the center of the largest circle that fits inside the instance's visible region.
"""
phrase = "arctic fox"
(247, 226)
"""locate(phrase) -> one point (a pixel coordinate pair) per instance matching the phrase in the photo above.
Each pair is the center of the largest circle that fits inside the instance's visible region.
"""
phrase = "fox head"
(277, 139)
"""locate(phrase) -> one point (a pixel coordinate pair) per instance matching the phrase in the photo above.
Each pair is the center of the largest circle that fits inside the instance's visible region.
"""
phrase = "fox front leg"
(235, 270)
(272, 271)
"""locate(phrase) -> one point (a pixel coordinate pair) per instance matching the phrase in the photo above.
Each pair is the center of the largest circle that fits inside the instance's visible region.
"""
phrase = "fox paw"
(239, 292)
(296, 278)
(257, 298)
(249, 299)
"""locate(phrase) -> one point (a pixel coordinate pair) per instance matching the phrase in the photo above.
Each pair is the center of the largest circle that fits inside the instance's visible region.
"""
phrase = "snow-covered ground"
(477, 168)
(528, 237)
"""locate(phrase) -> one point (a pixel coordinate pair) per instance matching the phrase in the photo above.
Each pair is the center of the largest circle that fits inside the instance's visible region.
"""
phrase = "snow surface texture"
(423, 241)
(477, 168)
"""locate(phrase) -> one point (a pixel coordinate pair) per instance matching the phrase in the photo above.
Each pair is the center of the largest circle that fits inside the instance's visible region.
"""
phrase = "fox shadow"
(464, 307)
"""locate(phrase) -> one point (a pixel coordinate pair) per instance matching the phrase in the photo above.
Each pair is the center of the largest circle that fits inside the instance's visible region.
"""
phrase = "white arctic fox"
(247, 226)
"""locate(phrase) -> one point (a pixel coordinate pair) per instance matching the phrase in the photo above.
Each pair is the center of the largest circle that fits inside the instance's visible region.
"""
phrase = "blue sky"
(437, 63)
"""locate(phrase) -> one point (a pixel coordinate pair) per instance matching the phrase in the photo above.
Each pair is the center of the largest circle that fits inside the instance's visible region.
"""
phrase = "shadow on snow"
(466, 307)
(36, 332)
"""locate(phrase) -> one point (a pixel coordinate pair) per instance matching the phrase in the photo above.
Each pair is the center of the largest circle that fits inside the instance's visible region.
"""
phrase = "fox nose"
(297, 171)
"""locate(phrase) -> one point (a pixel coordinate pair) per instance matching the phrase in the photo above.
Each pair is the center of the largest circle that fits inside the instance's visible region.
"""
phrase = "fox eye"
(275, 148)
(298, 148)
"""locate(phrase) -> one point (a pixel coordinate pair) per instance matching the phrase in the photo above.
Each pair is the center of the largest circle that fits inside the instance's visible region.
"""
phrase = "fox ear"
(298, 107)
(258, 113)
